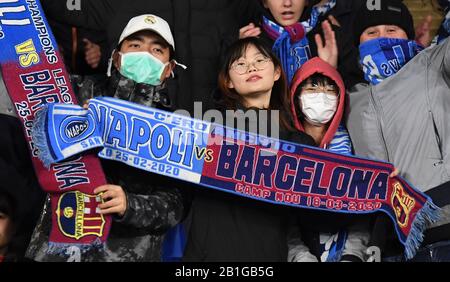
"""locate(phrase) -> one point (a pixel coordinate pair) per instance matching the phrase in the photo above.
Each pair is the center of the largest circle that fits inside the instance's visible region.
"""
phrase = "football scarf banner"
(34, 74)
(233, 161)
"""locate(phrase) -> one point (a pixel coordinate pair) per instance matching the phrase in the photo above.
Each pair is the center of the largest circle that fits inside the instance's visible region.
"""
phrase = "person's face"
(6, 230)
(318, 106)
(286, 12)
(253, 73)
(389, 31)
(147, 41)
(321, 87)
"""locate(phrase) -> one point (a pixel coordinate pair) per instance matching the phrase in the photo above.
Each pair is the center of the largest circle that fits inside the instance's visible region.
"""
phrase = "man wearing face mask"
(143, 205)
(142, 61)
(400, 114)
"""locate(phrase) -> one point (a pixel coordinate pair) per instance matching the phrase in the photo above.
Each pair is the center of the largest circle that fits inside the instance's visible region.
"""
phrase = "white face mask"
(318, 108)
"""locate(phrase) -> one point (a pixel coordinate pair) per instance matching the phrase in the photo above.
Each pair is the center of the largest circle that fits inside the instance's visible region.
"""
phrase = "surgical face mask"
(384, 57)
(142, 67)
(318, 108)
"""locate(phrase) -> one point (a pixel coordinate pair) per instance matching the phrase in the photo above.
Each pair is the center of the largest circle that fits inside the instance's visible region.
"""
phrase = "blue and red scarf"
(233, 161)
(291, 44)
(35, 75)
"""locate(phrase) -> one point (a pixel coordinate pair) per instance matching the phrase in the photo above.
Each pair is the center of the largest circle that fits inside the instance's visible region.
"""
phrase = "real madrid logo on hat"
(150, 20)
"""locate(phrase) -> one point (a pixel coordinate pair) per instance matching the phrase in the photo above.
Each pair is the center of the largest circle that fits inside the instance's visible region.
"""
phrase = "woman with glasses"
(317, 100)
(252, 78)
(227, 227)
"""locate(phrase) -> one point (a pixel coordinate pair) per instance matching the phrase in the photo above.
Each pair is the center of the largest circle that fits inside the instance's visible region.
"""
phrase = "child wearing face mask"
(317, 105)
(317, 100)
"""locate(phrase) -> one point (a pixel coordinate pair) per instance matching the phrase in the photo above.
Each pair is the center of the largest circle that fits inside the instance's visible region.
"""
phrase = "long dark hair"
(232, 100)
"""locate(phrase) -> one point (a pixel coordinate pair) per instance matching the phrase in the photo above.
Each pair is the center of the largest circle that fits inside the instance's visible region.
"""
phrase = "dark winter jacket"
(348, 66)
(72, 47)
(120, 87)
(17, 173)
(154, 204)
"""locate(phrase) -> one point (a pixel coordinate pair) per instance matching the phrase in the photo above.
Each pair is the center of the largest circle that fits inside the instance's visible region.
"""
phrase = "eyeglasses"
(241, 67)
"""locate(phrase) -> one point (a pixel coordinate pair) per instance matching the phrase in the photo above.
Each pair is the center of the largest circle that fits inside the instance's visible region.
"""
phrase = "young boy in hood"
(400, 114)
(317, 103)
(317, 99)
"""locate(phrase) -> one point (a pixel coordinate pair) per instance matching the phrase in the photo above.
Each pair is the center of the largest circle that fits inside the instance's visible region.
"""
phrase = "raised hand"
(249, 30)
(328, 51)
(423, 34)
(92, 53)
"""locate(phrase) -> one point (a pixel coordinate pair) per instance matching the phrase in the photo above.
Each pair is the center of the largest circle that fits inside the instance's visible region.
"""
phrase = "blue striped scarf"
(341, 143)
(291, 45)
(333, 246)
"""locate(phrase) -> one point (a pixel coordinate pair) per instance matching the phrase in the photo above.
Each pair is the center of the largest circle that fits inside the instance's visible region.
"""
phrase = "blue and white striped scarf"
(332, 245)
(341, 143)
(291, 45)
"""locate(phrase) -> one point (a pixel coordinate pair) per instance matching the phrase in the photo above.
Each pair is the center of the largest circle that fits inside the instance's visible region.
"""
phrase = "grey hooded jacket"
(405, 120)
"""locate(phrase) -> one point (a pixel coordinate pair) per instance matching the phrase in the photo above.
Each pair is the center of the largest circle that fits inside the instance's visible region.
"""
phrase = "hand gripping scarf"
(291, 45)
(34, 75)
(233, 161)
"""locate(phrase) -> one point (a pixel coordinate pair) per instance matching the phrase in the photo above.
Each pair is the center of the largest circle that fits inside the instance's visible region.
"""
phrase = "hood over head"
(311, 67)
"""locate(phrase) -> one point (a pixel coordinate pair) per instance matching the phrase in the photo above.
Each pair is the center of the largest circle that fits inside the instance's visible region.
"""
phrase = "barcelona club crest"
(402, 204)
(78, 216)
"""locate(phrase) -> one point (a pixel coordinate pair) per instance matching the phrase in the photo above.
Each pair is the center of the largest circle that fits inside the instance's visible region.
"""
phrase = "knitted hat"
(383, 12)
